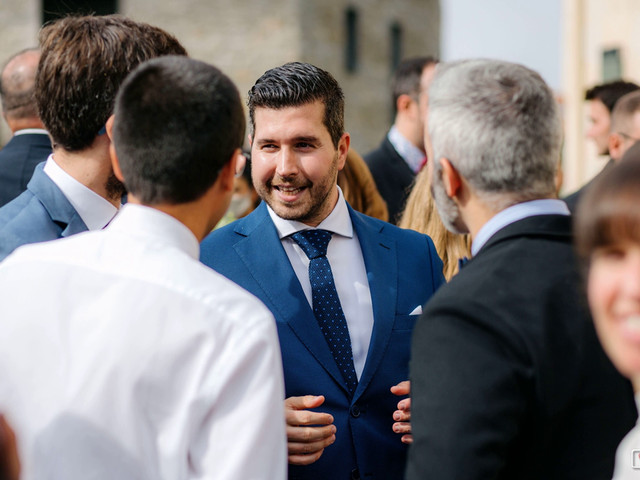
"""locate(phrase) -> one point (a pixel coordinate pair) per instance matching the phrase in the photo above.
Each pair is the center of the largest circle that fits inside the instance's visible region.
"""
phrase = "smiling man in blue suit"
(345, 288)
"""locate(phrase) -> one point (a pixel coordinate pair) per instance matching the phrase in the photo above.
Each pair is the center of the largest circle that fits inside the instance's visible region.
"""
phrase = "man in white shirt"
(122, 356)
(83, 62)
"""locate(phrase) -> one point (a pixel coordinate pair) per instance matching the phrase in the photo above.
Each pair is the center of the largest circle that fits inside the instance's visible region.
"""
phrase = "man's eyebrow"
(308, 139)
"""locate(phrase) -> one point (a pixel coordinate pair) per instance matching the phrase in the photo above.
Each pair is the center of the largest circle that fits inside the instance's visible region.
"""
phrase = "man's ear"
(403, 102)
(115, 163)
(450, 178)
(250, 138)
(615, 145)
(226, 177)
(109, 127)
(343, 149)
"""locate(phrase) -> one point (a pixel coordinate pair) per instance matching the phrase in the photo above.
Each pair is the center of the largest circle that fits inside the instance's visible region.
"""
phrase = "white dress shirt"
(349, 273)
(122, 356)
(627, 466)
(94, 210)
(520, 211)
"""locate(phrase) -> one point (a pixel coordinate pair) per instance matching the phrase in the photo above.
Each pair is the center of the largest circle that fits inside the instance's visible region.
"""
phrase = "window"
(52, 9)
(611, 65)
(351, 52)
(395, 50)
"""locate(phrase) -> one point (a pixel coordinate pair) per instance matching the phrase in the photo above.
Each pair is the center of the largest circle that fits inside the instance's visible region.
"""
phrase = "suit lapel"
(283, 293)
(379, 253)
(55, 203)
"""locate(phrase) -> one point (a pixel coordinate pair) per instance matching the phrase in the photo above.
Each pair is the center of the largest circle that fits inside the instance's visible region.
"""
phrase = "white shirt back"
(122, 356)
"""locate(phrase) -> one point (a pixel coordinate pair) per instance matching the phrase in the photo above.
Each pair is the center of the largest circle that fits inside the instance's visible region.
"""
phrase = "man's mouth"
(289, 189)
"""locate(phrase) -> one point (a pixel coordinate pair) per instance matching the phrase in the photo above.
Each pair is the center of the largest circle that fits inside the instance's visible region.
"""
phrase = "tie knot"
(313, 242)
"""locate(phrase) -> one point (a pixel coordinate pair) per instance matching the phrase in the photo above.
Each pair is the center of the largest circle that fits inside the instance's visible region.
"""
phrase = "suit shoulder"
(25, 220)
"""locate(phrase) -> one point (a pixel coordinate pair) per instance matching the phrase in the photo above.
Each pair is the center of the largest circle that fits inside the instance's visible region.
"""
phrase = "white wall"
(523, 31)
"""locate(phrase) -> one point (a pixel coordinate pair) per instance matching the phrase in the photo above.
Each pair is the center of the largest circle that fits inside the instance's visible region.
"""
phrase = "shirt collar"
(338, 221)
(94, 210)
(412, 155)
(26, 131)
(148, 222)
(514, 213)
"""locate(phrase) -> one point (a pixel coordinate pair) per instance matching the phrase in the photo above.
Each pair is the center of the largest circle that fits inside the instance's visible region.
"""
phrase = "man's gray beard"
(447, 208)
(115, 188)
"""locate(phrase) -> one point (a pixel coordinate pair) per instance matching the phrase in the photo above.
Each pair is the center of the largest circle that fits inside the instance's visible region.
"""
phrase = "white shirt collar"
(26, 131)
(407, 150)
(94, 210)
(338, 221)
(148, 222)
(513, 214)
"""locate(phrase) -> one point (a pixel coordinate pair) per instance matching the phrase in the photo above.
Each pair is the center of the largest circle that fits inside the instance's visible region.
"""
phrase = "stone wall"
(246, 37)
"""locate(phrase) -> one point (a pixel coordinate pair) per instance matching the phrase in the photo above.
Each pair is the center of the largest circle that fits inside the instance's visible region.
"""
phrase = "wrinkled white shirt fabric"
(122, 356)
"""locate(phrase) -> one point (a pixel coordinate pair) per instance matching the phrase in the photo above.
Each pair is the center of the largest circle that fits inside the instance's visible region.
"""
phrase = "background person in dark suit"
(84, 60)
(30, 143)
(401, 154)
(601, 102)
(339, 406)
(508, 378)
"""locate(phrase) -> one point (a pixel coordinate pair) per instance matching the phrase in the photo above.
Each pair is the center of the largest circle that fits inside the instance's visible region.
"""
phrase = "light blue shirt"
(550, 206)
(412, 155)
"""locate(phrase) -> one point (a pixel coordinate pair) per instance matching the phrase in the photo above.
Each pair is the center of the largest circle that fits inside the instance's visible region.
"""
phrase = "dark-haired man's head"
(84, 60)
(602, 99)
(298, 142)
(17, 83)
(177, 123)
(295, 84)
(409, 94)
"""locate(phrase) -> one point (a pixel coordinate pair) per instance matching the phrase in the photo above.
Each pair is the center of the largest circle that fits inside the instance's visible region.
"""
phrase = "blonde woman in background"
(420, 214)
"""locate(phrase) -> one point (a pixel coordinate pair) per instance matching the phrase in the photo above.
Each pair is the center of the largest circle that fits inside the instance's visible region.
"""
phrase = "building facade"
(358, 41)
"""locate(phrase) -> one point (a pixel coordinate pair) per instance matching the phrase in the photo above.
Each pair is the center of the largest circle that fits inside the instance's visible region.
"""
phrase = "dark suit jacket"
(40, 213)
(508, 378)
(403, 271)
(572, 200)
(392, 175)
(18, 159)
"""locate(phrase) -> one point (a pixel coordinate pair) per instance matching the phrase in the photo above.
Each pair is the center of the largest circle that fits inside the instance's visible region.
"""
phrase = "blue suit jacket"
(38, 214)
(403, 270)
(18, 159)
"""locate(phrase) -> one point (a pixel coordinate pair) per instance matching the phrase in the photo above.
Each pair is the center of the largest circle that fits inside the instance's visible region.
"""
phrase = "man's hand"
(308, 433)
(402, 416)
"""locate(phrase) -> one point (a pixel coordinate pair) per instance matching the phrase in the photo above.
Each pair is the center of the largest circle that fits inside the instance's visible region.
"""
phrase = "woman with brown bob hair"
(607, 228)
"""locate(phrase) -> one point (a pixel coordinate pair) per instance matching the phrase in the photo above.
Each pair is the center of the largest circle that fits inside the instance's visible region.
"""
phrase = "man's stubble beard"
(447, 208)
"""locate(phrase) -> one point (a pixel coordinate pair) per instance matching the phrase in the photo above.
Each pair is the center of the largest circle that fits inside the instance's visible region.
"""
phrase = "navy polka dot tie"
(326, 304)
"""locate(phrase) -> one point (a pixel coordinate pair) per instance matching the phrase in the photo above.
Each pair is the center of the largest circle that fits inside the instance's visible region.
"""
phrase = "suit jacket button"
(355, 411)
(355, 474)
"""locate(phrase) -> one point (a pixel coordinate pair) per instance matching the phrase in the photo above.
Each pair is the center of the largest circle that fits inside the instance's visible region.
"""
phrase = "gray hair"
(623, 112)
(498, 124)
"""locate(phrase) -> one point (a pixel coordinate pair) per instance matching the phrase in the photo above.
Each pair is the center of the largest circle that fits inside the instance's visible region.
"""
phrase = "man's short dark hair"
(84, 60)
(295, 84)
(609, 93)
(406, 78)
(177, 122)
(16, 92)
